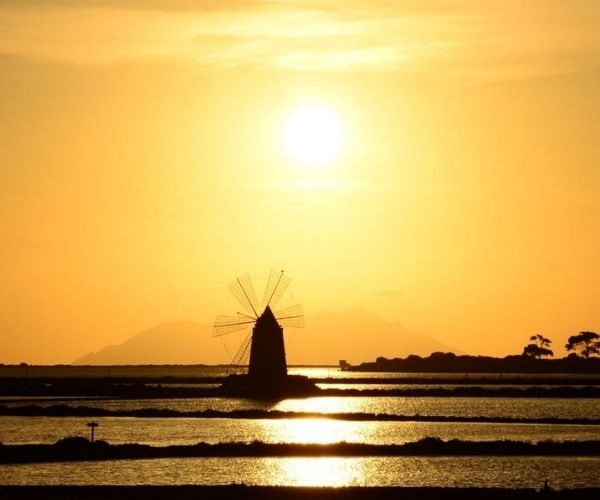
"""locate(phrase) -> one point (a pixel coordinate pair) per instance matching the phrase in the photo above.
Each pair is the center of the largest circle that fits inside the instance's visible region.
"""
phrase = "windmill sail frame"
(243, 290)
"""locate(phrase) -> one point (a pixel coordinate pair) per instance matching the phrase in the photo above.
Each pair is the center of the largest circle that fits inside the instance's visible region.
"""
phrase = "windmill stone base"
(267, 376)
(267, 371)
(288, 386)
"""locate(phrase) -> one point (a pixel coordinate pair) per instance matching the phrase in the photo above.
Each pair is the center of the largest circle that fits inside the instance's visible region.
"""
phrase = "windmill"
(263, 345)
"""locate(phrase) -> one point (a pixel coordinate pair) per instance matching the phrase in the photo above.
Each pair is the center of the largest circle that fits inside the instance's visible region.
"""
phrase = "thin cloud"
(460, 40)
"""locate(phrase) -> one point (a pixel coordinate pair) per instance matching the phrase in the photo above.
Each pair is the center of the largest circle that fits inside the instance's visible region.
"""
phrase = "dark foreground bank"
(255, 414)
(278, 492)
(80, 449)
(104, 388)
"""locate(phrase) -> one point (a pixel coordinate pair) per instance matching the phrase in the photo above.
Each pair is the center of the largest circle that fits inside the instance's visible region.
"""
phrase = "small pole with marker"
(92, 426)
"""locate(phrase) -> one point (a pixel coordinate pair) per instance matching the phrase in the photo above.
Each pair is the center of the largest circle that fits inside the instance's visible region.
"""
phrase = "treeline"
(447, 362)
(584, 344)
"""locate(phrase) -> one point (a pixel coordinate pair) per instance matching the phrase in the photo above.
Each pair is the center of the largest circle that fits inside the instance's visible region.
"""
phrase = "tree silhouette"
(538, 348)
(586, 344)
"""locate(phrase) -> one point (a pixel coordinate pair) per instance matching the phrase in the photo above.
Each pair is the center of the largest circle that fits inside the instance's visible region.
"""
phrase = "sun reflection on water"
(319, 430)
(321, 471)
(314, 430)
(318, 405)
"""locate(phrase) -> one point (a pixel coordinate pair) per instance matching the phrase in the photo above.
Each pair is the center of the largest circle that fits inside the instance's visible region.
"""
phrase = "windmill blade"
(277, 284)
(241, 356)
(292, 321)
(243, 290)
(295, 310)
(291, 316)
(229, 324)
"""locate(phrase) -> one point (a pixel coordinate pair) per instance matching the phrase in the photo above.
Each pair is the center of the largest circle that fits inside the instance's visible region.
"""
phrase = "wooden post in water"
(92, 426)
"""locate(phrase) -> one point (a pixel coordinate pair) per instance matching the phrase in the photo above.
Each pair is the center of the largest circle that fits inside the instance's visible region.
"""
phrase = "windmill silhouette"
(264, 344)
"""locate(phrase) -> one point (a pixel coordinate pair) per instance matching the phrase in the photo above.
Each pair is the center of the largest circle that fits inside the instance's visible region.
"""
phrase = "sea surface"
(531, 408)
(165, 431)
(561, 472)
(509, 472)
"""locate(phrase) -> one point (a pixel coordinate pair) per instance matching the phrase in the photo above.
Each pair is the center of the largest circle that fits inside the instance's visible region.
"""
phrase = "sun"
(313, 136)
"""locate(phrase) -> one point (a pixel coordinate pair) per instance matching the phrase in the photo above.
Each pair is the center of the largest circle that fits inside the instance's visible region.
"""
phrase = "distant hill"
(354, 334)
(181, 342)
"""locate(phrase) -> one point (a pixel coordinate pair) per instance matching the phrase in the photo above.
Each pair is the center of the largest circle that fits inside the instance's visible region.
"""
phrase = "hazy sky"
(142, 166)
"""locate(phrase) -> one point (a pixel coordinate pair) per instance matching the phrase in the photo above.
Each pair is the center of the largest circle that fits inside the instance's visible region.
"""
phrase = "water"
(511, 472)
(561, 472)
(165, 431)
(425, 387)
(221, 371)
(446, 406)
(530, 408)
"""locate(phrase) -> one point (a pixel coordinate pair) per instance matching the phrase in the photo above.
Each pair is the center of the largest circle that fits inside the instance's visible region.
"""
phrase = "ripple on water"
(510, 472)
(165, 431)
(430, 406)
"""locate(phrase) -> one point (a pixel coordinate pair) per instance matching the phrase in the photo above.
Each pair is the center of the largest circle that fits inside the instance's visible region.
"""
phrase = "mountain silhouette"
(354, 334)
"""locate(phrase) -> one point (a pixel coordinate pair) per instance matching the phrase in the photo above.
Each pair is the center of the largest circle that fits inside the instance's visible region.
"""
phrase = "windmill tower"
(264, 344)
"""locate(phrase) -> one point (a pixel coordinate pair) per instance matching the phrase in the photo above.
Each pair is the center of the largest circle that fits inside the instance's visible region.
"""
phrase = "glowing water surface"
(163, 431)
(430, 406)
(561, 472)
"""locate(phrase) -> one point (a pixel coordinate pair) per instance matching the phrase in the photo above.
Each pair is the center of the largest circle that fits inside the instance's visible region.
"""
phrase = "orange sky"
(142, 166)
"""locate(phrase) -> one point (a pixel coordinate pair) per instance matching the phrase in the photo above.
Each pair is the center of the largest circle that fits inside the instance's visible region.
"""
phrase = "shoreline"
(141, 391)
(62, 410)
(77, 449)
(241, 491)
(454, 378)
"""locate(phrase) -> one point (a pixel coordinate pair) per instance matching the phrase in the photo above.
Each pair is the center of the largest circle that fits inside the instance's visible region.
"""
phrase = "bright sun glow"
(313, 136)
